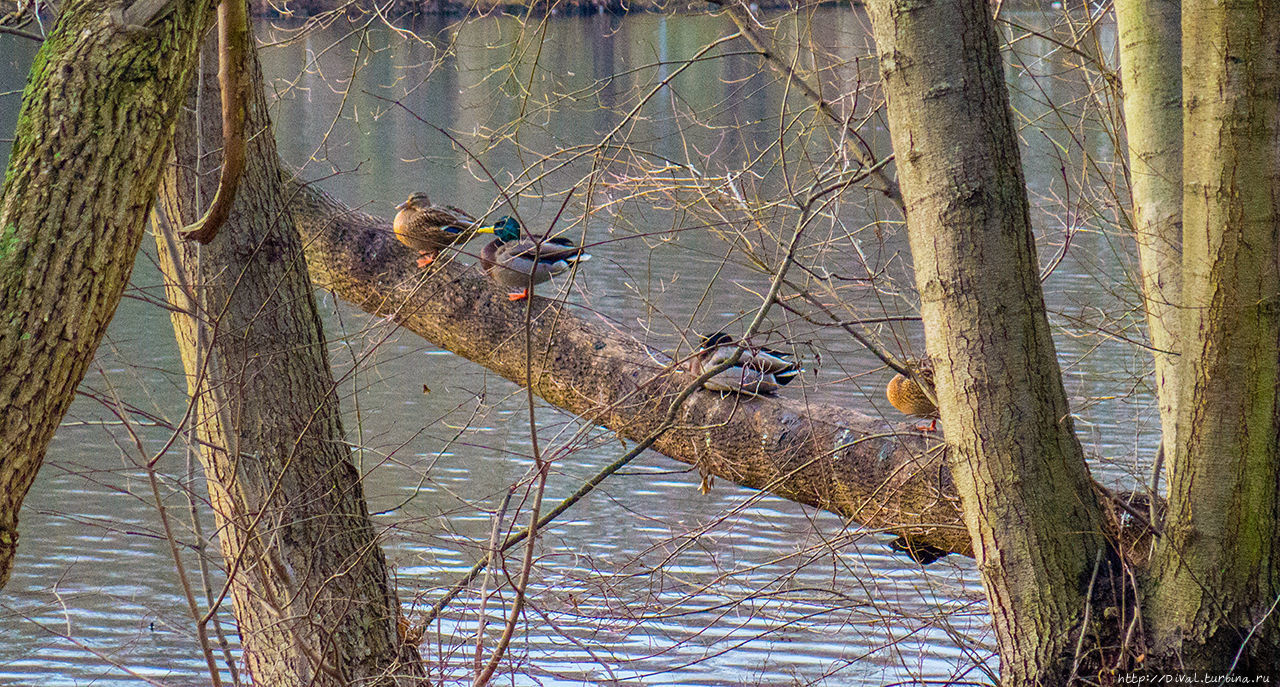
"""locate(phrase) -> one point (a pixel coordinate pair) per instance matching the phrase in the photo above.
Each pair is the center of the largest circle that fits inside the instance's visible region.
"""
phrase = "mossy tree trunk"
(97, 115)
(1150, 59)
(312, 594)
(1028, 501)
(1217, 571)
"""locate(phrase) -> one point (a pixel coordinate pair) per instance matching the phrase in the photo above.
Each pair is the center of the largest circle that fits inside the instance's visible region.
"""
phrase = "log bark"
(1217, 571)
(1029, 503)
(97, 116)
(313, 598)
(824, 456)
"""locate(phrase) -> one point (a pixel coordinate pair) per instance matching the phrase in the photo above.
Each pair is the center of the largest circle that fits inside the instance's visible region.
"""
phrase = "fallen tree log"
(820, 455)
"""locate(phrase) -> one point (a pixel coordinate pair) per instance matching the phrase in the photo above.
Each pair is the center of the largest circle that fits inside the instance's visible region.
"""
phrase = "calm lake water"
(647, 581)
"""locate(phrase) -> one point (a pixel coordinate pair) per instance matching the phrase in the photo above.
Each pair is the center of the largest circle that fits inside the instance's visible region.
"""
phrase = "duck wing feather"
(550, 250)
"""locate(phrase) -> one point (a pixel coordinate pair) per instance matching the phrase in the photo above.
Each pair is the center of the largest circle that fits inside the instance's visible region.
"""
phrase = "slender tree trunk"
(1150, 59)
(97, 116)
(1029, 503)
(1217, 574)
(312, 594)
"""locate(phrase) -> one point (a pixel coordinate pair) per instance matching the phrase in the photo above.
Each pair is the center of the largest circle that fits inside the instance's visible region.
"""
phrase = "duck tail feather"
(786, 376)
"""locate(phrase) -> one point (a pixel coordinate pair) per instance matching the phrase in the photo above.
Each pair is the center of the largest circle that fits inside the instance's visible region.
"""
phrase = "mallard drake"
(429, 228)
(518, 263)
(906, 395)
(759, 371)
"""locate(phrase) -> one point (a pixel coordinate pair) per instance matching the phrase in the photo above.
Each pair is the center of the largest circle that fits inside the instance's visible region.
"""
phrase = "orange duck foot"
(932, 427)
(518, 296)
(426, 260)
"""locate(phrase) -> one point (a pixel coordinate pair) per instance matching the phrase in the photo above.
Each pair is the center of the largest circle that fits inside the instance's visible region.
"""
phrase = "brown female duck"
(906, 395)
(429, 228)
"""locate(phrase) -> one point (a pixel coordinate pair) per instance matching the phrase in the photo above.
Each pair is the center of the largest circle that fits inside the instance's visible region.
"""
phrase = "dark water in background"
(647, 581)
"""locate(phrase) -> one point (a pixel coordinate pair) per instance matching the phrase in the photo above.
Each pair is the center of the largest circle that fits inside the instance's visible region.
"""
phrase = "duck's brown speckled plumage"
(907, 396)
(429, 228)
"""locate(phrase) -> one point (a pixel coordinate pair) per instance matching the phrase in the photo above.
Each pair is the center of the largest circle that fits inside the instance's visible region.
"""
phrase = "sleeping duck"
(906, 394)
(758, 371)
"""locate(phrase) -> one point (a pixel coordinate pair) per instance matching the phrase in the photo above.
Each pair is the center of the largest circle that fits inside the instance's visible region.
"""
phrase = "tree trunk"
(312, 594)
(1150, 55)
(97, 116)
(1217, 574)
(1028, 500)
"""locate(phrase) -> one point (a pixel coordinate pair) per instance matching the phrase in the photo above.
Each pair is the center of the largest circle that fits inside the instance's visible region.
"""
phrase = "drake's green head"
(506, 229)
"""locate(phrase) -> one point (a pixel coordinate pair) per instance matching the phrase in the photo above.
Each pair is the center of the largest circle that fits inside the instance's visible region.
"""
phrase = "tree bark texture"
(1218, 570)
(824, 456)
(1150, 54)
(97, 115)
(1029, 503)
(312, 594)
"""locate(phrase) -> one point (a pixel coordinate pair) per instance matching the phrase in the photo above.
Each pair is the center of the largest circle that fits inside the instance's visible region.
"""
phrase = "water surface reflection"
(647, 581)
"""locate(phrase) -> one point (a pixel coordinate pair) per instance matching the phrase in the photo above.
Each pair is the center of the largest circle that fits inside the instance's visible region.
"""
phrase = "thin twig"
(746, 26)
(668, 423)
(20, 33)
(150, 466)
(1084, 623)
(542, 466)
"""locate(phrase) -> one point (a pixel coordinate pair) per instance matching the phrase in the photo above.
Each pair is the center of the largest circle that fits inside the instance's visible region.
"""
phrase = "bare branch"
(19, 32)
(142, 12)
(233, 45)
(747, 27)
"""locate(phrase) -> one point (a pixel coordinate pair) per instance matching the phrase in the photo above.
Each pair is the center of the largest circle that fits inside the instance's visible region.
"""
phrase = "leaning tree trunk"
(312, 595)
(1217, 571)
(1150, 59)
(97, 116)
(1028, 500)
(821, 455)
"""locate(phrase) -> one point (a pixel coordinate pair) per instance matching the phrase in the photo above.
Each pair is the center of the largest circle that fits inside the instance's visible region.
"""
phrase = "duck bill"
(403, 206)
(491, 229)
